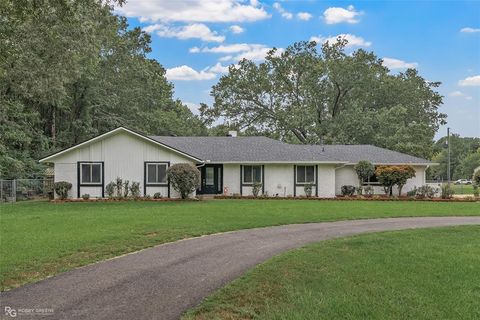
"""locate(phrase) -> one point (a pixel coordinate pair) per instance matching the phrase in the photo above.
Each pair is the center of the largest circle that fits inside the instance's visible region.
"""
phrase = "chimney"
(232, 133)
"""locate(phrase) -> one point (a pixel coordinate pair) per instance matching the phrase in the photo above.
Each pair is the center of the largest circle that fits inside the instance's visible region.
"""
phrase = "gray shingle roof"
(258, 149)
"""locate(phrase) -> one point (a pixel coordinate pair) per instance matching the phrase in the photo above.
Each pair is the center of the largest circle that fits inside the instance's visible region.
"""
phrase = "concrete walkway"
(164, 281)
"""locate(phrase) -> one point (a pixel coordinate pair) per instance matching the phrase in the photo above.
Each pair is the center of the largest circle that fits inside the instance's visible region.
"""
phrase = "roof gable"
(113, 132)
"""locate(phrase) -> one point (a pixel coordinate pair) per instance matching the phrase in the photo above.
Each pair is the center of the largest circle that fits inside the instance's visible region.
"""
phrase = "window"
(157, 173)
(91, 173)
(252, 174)
(305, 174)
(372, 180)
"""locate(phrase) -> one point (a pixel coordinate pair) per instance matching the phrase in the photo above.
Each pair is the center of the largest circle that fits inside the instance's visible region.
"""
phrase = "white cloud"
(193, 10)
(186, 73)
(218, 68)
(338, 15)
(304, 16)
(192, 31)
(470, 82)
(353, 40)
(226, 58)
(459, 94)
(392, 63)
(236, 29)
(470, 30)
(285, 14)
(251, 51)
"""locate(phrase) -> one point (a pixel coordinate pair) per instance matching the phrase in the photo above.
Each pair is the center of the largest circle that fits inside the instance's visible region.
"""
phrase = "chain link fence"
(26, 189)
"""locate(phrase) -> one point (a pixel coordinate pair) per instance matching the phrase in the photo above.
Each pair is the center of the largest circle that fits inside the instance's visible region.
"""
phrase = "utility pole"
(448, 145)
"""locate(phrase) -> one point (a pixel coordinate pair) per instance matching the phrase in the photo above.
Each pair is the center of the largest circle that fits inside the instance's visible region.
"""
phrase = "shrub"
(135, 189)
(389, 176)
(110, 189)
(256, 187)
(157, 195)
(85, 196)
(426, 191)
(476, 192)
(184, 177)
(126, 188)
(368, 190)
(360, 190)
(413, 192)
(62, 188)
(118, 186)
(348, 190)
(364, 169)
(447, 191)
(308, 189)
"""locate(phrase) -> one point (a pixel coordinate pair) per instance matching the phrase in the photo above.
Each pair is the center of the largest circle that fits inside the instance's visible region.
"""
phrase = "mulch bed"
(354, 198)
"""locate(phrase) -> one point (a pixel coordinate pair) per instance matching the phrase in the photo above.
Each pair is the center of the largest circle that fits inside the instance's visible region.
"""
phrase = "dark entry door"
(212, 179)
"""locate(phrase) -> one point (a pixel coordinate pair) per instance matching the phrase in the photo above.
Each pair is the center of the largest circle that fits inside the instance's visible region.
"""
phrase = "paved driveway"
(164, 281)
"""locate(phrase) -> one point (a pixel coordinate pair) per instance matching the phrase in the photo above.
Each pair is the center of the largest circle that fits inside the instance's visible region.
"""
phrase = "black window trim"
(79, 184)
(243, 174)
(314, 175)
(91, 184)
(155, 184)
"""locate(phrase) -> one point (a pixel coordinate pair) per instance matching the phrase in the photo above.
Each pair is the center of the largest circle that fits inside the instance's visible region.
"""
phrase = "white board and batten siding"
(124, 155)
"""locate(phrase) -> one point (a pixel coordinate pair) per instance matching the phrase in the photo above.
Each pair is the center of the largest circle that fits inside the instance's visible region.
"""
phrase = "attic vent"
(232, 133)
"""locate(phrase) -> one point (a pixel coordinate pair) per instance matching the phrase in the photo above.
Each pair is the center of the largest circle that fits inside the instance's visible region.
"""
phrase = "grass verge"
(419, 274)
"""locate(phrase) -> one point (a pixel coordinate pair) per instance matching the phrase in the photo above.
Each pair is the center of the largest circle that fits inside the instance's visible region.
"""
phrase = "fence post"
(1, 190)
(14, 188)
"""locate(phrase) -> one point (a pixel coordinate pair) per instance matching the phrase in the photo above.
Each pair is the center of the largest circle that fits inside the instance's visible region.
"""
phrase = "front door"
(212, 179)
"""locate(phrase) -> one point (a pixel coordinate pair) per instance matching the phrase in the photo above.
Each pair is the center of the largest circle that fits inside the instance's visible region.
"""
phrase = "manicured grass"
(463, 189)
(39, 239)
(419, 274)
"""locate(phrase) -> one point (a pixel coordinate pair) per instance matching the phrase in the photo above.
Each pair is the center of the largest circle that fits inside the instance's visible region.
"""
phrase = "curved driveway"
(164, 281)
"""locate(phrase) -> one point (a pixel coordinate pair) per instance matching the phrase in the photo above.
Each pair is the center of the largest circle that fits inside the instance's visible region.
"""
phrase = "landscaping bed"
(353, 198)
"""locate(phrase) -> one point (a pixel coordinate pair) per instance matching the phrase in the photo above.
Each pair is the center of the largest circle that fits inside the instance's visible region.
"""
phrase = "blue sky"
(195, 40)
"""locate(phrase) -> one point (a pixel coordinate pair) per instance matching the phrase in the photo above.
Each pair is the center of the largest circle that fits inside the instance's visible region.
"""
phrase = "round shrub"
(85, 196)
(184, 178)
(348, 190)
(157, 195)
(61, 189)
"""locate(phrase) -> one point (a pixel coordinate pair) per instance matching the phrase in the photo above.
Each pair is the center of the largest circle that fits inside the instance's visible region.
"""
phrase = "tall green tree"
(70, 70)
(304, 95)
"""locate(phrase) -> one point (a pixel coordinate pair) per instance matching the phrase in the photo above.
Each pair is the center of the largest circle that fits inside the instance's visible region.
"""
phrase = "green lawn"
(38, 239)
(463, 189)
(419, 274)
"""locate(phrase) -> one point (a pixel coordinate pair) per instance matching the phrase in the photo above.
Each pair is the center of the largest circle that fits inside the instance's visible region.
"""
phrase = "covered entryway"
(211, 179)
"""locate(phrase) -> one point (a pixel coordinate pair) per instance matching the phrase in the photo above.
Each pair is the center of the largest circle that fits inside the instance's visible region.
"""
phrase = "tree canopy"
(306, 95)
(70, 70)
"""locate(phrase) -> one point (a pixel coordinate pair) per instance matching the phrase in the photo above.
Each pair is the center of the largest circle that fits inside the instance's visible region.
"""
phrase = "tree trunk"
(52, 126)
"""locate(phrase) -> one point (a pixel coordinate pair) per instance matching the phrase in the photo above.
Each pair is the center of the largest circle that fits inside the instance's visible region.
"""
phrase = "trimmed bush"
(348, 190)
(476, 178)
(426, 191)
(308, 189)
(134, 189)
(364, 169)
(110, 189)
(257, 186)
(447, 191)
(85, 196)
(184, 178)
(157, 195)
(61, 189)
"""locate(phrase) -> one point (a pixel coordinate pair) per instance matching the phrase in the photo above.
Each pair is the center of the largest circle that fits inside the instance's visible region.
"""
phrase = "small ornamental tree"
(62, 188)
(364, 169)
(389, 176)
(184, 178)
(476, 178)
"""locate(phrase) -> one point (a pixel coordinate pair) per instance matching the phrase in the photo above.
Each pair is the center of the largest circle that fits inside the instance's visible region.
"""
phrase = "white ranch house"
(228, 165)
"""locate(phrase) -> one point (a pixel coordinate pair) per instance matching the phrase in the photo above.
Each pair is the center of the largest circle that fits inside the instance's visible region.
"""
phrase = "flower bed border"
(355, 198)
(140, 199)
